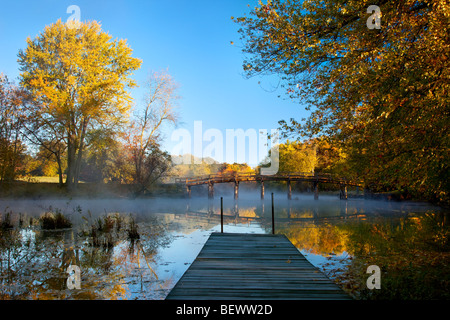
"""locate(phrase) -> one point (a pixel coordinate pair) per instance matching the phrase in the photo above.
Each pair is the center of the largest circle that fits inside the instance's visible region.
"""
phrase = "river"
(138, 249)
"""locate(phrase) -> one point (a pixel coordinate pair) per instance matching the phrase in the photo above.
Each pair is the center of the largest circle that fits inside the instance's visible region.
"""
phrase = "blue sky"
(192, 39)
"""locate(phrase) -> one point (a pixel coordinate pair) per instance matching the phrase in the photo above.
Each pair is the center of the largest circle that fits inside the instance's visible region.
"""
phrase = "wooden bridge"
(253, 266)
(236, 178)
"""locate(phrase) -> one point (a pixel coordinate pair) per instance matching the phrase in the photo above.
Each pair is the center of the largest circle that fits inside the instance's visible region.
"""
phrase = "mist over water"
(301, 206)
(172, 232)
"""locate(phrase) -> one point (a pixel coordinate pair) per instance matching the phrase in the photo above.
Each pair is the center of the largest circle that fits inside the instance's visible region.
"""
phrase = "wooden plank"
(253, 266)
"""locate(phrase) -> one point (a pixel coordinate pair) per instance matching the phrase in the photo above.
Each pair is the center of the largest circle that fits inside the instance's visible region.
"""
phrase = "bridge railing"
(218, 178)
(246, 176)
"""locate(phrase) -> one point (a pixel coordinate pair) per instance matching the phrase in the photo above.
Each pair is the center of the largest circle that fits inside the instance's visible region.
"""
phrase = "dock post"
(289, 189)
(316, 190)
(262, 190)
(221, 214)
(236, 189)
(273, 217)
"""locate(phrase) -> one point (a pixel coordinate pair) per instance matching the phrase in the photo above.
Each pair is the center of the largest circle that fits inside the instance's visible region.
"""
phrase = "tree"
(12, 118)
(103, 147)
(331, 158)
(78, 77)
(155, 165)
(235, 168)
(297, 157)
(52, 147)
(46, 164)
(144, 134)
(375, 92)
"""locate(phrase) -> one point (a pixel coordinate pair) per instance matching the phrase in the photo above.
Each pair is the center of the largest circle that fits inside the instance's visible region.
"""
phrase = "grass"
(37, 179)
(42, 188)
(132, 230)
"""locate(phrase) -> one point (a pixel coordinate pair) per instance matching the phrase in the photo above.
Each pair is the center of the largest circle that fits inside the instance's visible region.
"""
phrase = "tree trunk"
(60, 173)
(79, 156)
(71, 151)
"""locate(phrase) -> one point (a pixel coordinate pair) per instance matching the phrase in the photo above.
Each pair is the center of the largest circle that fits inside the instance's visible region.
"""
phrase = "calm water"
(340, 237)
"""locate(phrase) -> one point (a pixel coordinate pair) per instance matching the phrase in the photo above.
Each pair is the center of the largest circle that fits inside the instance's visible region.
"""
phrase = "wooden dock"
(253, 267)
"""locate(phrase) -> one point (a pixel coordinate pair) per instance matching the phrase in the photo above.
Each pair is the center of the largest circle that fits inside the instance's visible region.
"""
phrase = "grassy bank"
(39, 190)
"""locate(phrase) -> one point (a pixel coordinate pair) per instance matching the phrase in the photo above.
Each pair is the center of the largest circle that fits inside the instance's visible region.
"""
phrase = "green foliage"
(380, 94)
(103, 148)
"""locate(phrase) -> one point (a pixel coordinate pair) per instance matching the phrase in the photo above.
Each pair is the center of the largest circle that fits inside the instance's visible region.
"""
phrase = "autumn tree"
(46, 164)
(235, 168)
(79, 78)
(144, 135)
(381, 93)
(51, 143)
(12, 119)
(295, 156)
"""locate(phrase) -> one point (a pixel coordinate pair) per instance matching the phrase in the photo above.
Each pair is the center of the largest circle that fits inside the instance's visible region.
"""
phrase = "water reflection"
(340, 237)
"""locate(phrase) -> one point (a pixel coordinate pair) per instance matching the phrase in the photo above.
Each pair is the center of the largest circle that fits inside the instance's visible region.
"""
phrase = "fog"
(301, 205)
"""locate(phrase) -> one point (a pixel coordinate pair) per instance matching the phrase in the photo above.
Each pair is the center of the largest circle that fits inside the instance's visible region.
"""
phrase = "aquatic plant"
(6, 221)
(54, 220)
(132, 230)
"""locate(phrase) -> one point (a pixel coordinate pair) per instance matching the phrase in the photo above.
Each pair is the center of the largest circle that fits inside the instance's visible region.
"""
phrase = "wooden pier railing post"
(221, 214)
(273, 217)
(262, 189)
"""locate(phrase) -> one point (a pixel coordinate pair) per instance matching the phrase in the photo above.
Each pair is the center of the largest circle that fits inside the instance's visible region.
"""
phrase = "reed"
(54, 220)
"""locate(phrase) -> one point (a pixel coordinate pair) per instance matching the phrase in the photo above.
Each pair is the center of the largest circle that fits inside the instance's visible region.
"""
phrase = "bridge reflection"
(285, 211)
